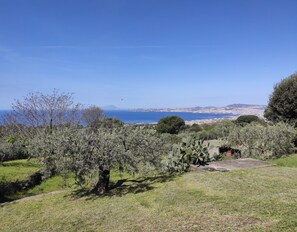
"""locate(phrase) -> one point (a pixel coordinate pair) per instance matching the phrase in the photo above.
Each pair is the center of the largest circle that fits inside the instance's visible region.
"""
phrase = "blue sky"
(147, 53)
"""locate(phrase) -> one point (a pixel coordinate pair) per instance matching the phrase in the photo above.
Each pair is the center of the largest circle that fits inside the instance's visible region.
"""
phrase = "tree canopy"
(38, 110)
(245, 119)
(85, 151)
(282, 104)
(170, 124)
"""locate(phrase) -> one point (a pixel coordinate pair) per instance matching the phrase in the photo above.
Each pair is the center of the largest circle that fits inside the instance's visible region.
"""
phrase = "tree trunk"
(51, 126)
(103, 181)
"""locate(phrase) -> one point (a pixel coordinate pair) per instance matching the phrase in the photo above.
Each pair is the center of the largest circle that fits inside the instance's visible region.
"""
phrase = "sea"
(150, 117)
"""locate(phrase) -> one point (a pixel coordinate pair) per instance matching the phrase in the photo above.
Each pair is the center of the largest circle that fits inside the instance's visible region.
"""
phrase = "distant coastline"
(208, 114)
(191, 115)
(152, 117)
(236, 109)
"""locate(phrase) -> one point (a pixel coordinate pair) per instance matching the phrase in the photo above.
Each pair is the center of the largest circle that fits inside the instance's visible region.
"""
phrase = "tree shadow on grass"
(9, 188)
(125, 186)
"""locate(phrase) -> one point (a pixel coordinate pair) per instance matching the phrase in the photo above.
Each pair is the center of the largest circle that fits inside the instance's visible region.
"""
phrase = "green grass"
(19, 170)
(49, 185)
(58, 183)
(12, 171)
(262, 199)
(287, 161)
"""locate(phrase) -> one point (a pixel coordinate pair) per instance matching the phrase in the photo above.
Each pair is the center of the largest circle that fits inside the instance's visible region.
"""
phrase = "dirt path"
(236, 164)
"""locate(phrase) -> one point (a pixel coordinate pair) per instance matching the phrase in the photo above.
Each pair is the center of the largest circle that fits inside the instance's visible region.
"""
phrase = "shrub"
(263, 142)
(195, 128)
(170, 124)
(105, 123)
(245, 119)
(223, 128)
(207, 135)
(218, 130)
(12, 149)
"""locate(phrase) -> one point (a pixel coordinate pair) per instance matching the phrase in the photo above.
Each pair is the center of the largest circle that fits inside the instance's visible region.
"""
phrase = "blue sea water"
(128, 116)
(153, 117)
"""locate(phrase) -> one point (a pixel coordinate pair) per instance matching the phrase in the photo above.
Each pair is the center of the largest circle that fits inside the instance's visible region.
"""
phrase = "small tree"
(92, 113)
(245, 119)
(38, 110)
(170, 124)
(85, 151)
(282, 104)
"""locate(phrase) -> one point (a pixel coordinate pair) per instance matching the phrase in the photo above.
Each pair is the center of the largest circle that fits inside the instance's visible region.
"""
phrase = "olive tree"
(86, 151)
(282, 104)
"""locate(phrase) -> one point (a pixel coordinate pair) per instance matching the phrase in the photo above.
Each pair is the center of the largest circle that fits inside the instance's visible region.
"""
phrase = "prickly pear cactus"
(199, 152)
(189, 151)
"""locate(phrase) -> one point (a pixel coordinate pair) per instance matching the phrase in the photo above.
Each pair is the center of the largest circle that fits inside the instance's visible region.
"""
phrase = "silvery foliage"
(83, 151)
(10, 151)
(263, 142)
(12, 148)
(223, 129)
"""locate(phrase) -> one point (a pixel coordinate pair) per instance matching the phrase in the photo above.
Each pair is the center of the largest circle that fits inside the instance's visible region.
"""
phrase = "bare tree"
(39, 110)
(91, 113)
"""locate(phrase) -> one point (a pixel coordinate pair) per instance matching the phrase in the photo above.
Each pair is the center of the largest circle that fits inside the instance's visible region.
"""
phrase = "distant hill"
(236, 109)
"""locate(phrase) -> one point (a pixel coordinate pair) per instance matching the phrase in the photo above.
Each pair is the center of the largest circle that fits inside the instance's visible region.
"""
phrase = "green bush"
(170, 124)
(245, 119)
(222, 129)
(217, 130)
(12, 149)
(263, 142)
(195, 128)
(105, 123)
(207, 135)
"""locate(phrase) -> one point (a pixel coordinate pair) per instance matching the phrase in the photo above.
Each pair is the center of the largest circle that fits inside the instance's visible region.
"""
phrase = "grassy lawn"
(287, 161)
(12, 171)
(58, 183)
(49, 185)
(262, 199)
